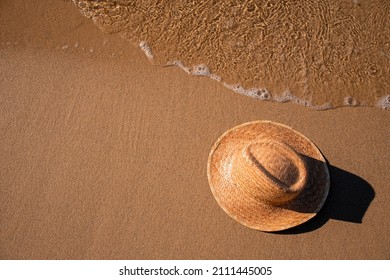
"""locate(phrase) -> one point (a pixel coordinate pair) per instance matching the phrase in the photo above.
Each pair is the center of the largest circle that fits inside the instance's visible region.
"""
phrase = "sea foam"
(384, 102)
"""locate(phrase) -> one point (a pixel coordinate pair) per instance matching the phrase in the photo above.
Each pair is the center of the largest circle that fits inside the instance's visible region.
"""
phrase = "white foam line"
(146, 49)
(264, 94)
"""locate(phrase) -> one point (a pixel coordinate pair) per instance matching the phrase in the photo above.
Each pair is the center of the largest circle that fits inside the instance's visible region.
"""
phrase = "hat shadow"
(348, 200)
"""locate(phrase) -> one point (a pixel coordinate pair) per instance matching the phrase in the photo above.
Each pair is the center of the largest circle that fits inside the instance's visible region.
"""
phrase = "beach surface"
(103, 154)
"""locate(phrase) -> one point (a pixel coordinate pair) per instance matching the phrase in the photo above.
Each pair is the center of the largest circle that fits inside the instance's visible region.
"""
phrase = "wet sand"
(103, 155)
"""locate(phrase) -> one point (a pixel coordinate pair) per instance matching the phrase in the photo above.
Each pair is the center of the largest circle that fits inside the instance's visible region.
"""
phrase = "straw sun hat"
(267, 176)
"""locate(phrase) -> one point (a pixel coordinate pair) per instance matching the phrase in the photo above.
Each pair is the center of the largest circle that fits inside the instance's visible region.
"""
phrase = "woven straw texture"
(268, 176)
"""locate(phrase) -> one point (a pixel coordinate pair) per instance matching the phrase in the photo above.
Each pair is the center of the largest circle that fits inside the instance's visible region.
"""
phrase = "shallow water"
(321, 54)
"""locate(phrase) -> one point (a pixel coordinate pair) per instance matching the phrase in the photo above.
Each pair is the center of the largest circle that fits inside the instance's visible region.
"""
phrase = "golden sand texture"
(316, 53)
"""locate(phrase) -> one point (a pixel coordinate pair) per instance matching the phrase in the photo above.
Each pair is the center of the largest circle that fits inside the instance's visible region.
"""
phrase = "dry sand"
(103, 155)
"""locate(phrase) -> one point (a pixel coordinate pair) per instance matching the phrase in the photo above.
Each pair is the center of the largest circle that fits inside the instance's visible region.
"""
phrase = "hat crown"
(270, 171)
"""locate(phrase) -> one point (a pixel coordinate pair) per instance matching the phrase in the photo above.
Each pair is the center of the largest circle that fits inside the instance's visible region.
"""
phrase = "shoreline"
(104, 157)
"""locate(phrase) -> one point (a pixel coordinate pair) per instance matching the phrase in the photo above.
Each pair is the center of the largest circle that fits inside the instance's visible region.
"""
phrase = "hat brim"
(247, 210)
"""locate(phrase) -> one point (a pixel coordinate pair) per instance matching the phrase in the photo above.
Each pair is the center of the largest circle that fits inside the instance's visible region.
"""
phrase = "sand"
(103, 154)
